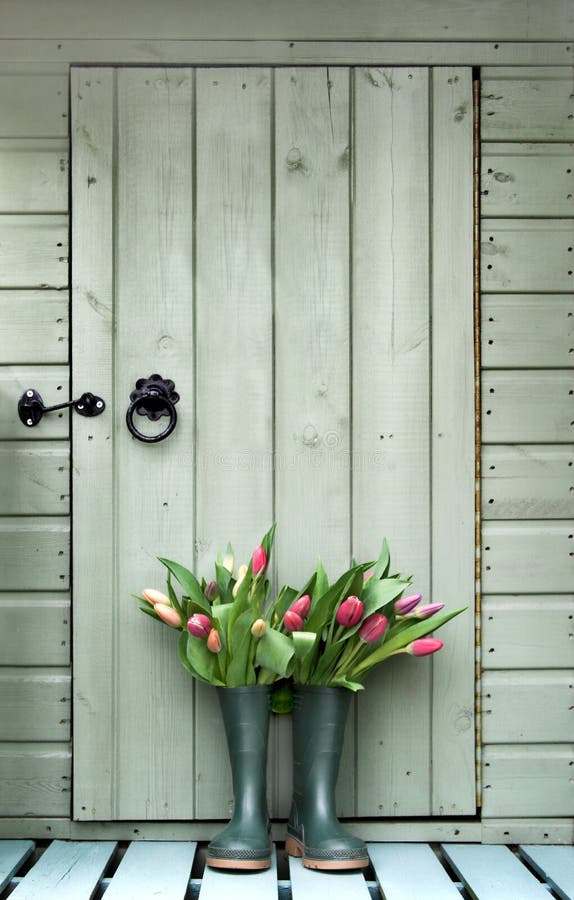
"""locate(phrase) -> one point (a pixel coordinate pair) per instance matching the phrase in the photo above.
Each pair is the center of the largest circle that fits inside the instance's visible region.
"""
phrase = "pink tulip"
(168, 614)
(259, 560)
(199, 625)
(292, 621)
(368, 575)
(153, 596)
(425, 612)
(211, 590)
(301, 606)
(349, 612)
(424, 646)
(214, 641)
(407, 604)
(373, 628)
(258, 628)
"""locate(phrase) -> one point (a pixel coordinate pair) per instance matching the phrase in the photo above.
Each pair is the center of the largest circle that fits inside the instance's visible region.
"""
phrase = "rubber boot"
(245, 842)
(313, 831)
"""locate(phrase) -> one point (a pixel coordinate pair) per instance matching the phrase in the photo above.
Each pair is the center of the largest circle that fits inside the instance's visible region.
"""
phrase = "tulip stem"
(347, 657)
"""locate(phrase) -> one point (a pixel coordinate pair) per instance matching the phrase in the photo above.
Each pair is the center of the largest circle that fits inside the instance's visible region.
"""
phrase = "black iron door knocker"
(154, 398)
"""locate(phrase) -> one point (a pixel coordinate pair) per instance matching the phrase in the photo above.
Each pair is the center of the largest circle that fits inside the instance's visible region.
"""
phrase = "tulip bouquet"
(226, 638)
(341, 631)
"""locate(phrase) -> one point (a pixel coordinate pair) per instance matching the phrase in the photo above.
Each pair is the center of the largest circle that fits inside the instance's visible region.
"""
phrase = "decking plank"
(153, 870)
(218, 884)
(306, 884)
(405, 871)
(493, 872)
(554, 864)
(68, 870)
(12, 855)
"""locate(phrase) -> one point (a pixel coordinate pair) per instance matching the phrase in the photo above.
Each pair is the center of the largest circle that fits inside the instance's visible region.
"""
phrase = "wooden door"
(293, 247)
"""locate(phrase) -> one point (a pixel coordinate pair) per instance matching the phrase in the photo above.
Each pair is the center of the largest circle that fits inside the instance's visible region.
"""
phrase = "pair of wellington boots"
(313, 832)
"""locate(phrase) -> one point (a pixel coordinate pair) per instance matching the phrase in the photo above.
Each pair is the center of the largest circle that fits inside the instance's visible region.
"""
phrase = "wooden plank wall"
(35, 683)
(527, 208)
(528, 501)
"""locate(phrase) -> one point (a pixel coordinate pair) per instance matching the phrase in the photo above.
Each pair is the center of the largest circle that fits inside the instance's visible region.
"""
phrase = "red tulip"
(373, 628)
(168, 614)
(199, 625)
(349, 612)
(407, 604)
(292, 621)
(259, 560)
(301, 606)
(153, 596)
(425, 612)
(214, 641)
(424, 646)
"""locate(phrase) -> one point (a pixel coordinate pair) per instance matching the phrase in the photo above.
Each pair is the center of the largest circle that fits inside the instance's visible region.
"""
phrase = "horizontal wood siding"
(527, 341)
(36, 327)
(35, 677)
(33, 176)
(525, 707)
(541, 642)
(527, 481)
(35, 704)
(527, 780)
(520, 331)
(527, 179)
(24, 615)
(35, 779)
(35, 478)
(411, 20)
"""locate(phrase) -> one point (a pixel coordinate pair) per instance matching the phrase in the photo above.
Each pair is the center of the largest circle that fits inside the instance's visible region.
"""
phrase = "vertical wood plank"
(234, 353)
(154, 489)
(92, 104)
(391, 410)
(453, 452)
(312, 337)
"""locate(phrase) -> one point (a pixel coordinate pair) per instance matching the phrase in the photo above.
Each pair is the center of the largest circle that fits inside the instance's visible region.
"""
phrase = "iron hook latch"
(31, 407)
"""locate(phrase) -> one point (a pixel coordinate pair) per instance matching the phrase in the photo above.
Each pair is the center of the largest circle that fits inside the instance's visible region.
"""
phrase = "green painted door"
(293, 247)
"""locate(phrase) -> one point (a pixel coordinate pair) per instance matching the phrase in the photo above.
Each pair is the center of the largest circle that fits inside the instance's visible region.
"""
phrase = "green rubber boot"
(313, 831)
(245, 842)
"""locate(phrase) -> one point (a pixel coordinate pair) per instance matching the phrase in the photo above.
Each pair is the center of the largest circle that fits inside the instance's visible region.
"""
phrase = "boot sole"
(253, 864)
(293, 847)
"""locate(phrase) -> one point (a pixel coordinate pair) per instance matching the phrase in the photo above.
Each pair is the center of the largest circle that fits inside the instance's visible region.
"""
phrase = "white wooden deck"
(169, 870)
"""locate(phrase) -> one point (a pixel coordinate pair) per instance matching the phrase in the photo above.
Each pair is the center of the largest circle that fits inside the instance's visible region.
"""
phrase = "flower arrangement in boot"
(339, 633)
(227, 640)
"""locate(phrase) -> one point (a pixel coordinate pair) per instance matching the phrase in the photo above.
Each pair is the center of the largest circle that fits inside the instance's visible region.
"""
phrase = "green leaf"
(149, 612)
(375, 596)
(303, 643)
(241, 601)
(327, 661)
(267, 541)
(275, 652)
(239, 644)
(286, 597)
(384, 561)
(396, 642)
(345, 683)
(202, 660)
(189, 583)
(322, 582)
(223, 577)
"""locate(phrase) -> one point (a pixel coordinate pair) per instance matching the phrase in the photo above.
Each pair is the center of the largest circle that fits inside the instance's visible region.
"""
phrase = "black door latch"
(31, 406)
